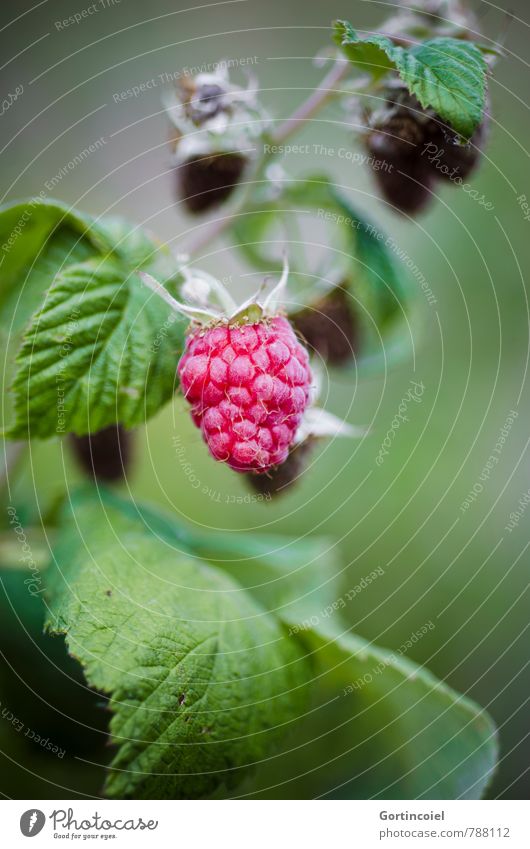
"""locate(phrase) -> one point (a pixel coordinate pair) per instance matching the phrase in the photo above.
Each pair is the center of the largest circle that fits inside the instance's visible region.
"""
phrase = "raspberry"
(248, 386)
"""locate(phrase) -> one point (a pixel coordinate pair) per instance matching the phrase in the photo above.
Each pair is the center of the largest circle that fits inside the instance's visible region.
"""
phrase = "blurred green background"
(462, 570)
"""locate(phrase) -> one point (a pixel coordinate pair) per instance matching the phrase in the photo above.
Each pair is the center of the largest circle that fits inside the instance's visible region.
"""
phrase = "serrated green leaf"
(202, 680)
(37, 239)
(279, 571)
(102, 349)
(445, 74)
(135, 248)
(386, 727)
(449, 76)
(398, 731)
(389, 728)
(374, 54)
(42, 244)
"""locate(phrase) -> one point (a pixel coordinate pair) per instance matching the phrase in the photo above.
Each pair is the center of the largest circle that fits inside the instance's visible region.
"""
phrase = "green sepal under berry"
(445, 74)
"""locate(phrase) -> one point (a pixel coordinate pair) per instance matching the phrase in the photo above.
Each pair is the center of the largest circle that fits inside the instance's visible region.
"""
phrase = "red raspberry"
(248, 386)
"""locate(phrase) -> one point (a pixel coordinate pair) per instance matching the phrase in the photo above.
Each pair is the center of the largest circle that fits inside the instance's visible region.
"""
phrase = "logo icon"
(32, 822)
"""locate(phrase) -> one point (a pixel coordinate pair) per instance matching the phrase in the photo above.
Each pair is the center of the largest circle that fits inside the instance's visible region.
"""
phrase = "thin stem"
(316, 100)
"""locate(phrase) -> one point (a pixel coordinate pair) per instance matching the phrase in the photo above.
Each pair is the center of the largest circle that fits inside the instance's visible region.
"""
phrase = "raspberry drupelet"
(248, 386)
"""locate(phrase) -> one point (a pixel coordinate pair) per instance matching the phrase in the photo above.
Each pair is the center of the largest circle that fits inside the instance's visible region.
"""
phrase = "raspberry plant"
(211, 651)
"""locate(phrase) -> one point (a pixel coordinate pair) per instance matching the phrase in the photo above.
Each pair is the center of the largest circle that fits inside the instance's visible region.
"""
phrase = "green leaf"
(282, 573)
(384, 726)
(44, 688)
(404, 734)
(95, 330)
(58, 265)
(445, 74)
(101, 349)
(201, 679)
(135, 248)
(375, 54)
(38, 238)
(397, 731)
(449, 76)
(387, 727)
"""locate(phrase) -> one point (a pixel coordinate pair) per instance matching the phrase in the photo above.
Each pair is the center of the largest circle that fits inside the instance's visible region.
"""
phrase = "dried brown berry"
(280, 478)
(206, 181)
(105, 455)
(450, 160)
(406, 182)
(411, 148)
(395, 142)
(330, 326)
